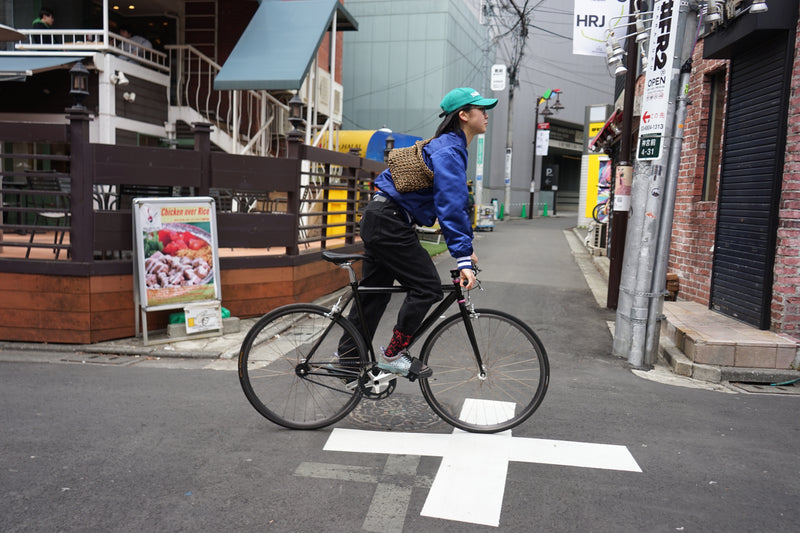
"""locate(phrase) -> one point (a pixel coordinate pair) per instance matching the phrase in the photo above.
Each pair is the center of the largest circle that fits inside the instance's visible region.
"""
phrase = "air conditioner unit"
(282, 120)
(337, 103)
(323, 88)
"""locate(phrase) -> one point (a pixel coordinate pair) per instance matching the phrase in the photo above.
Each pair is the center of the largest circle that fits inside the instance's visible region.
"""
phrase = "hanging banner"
(542, 138)
(177, 259)
(592, 23)
(655, 95)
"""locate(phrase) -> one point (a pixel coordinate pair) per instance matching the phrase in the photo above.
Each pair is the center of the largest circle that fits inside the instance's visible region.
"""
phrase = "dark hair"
(46, 12)
(451, 122)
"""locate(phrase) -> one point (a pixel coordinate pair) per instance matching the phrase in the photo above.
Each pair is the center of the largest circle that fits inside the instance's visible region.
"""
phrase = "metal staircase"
(245, 121)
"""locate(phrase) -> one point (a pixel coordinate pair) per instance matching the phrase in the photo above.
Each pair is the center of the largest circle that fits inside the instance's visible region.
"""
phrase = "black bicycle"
(490, 370)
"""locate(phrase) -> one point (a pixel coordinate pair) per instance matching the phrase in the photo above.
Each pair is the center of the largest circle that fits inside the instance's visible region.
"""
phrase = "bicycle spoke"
(505, 392)
(278, 377)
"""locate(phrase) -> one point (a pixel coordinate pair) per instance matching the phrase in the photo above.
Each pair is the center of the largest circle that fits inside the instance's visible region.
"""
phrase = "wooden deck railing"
(296, 205)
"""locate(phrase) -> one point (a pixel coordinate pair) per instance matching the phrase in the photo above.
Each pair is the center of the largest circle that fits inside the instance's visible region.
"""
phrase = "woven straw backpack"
(409, 171)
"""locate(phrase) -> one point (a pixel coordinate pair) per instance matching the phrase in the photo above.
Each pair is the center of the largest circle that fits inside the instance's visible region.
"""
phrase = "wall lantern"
(389, 147)
(296, 112)
(79, 83)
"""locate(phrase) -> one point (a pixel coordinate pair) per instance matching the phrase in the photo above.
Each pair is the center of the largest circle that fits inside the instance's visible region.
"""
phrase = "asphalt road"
(132, 444)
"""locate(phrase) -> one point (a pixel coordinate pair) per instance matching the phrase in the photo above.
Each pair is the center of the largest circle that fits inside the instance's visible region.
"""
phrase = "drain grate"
(396, 413)
(762, 388)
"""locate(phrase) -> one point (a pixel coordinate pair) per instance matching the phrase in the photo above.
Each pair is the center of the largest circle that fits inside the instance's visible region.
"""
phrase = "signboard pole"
(656, 161)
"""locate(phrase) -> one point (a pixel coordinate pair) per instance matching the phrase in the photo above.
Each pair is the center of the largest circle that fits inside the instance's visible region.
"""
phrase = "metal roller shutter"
(750, 183)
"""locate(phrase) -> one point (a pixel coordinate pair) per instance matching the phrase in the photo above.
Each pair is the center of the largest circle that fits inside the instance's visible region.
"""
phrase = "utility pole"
(671, 37)
(514, 20)
(619, 217)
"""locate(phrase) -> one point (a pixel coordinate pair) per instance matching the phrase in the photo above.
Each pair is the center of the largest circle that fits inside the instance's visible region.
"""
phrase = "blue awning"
(26, 65)
(277, 47)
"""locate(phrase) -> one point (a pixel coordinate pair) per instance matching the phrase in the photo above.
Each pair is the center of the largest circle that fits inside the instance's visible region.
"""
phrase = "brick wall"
(786, 286)
(695, 220)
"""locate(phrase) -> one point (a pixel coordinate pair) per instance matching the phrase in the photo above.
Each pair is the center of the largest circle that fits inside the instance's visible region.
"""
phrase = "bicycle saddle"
(338, 258)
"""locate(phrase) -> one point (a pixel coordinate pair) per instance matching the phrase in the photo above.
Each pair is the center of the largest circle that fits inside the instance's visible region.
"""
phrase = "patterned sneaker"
(405, 365)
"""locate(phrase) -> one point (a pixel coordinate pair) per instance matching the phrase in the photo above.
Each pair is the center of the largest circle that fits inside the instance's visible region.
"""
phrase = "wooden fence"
(53, 176)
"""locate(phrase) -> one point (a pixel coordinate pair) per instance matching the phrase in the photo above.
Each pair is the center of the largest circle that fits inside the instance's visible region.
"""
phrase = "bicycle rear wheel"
(599, 213)
(288, 366)
(511, 386)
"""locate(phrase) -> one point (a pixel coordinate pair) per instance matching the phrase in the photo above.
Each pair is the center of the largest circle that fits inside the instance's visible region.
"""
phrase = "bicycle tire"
(597, 214)
(281, 382)
(517, 372)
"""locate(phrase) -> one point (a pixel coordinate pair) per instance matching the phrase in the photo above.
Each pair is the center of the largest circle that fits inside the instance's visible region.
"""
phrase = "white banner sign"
(542, 141)
(592, 20)
(655, 96)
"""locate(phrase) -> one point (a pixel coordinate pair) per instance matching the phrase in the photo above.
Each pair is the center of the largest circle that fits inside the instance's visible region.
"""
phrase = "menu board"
(177, 260)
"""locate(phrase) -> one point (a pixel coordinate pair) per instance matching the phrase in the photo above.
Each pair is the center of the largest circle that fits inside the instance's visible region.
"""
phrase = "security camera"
(119, 78)
(129, 97)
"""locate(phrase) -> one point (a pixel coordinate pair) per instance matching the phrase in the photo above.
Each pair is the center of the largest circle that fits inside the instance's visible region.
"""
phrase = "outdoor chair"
(51, 210)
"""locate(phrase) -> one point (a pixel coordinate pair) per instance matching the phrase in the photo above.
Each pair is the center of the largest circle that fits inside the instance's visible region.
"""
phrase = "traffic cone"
(524, 212)
(544, 212)
(502, 210)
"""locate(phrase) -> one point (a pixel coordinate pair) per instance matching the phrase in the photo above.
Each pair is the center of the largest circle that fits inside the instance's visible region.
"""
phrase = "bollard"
(544, 211)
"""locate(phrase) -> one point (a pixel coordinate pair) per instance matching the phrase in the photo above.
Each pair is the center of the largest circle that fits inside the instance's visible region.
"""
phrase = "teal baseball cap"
(458, 98)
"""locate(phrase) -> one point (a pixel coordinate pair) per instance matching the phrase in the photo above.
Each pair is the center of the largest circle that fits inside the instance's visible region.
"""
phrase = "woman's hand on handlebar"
(468, 280)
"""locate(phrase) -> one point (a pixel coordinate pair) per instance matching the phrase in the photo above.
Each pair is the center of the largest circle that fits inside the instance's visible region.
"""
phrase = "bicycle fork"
(467, 310)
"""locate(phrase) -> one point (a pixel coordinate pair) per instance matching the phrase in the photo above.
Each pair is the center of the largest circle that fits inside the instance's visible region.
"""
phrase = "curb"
(683, 366)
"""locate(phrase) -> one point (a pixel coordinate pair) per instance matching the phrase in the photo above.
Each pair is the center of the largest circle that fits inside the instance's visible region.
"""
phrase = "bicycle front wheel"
(504, 392)
(289, 366)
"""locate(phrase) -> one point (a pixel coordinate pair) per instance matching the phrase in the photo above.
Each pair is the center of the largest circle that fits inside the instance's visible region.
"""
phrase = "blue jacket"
(447, 200)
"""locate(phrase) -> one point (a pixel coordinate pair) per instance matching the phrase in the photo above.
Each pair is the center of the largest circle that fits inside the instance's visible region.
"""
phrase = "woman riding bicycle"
(391, 246)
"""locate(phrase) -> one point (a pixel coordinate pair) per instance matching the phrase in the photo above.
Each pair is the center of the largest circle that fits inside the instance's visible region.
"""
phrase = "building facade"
(736, 236)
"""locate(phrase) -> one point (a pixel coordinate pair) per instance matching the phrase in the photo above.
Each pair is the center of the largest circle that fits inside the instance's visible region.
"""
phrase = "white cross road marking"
(471, 480)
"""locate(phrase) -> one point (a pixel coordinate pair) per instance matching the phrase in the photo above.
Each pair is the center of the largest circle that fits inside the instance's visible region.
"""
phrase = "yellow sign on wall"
(598, 183)
(599, 173)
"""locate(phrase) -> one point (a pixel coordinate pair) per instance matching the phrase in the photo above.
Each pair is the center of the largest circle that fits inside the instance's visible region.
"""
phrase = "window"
(716, 115)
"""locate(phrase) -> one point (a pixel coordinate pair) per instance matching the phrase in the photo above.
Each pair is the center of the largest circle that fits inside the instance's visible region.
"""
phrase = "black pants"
(394, 253)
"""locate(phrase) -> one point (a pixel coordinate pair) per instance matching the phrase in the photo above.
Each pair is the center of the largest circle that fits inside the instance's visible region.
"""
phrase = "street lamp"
(546, 112)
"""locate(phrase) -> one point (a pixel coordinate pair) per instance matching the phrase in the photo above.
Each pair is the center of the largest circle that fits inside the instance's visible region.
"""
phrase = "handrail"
(92, 40)
(194, 74)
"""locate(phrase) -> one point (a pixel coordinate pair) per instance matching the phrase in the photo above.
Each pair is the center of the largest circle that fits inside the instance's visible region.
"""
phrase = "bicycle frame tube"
(454, 294)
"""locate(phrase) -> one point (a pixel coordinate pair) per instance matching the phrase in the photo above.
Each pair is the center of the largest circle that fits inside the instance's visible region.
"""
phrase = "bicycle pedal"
(418, 370)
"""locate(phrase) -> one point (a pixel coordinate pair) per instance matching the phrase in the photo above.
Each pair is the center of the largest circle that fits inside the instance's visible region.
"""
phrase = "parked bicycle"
(490, 370)
(600, 212)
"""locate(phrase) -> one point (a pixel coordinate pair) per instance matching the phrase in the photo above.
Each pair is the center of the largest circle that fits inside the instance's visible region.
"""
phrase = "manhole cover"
(397, 413)
(98, 359)
(762, 388)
